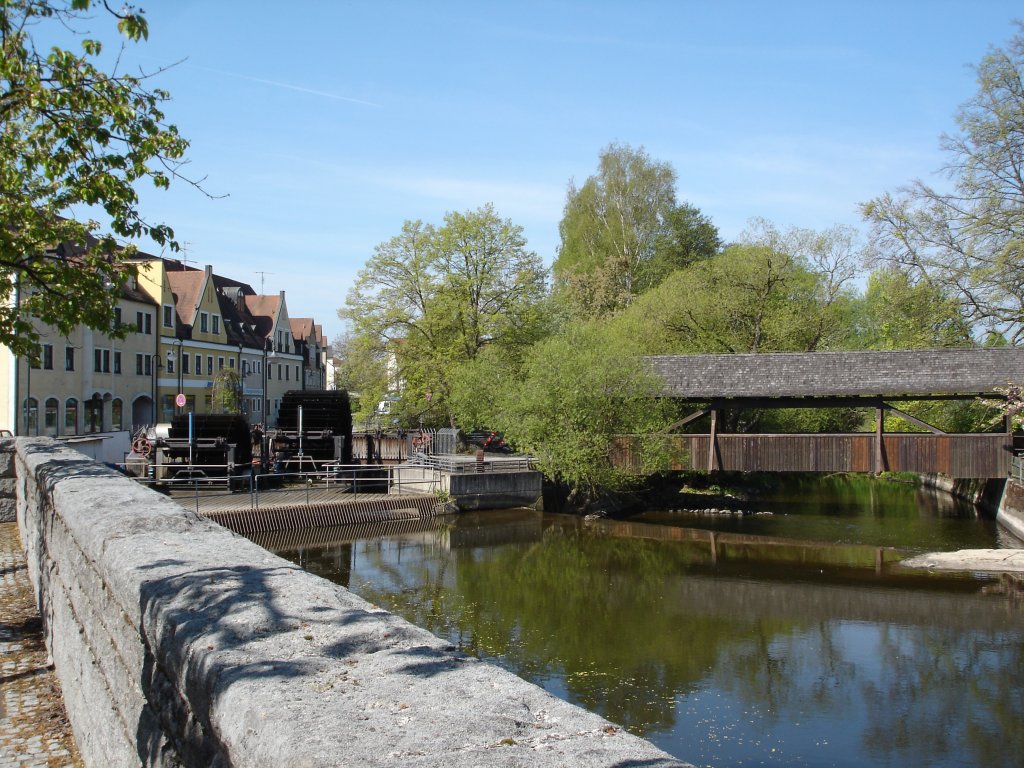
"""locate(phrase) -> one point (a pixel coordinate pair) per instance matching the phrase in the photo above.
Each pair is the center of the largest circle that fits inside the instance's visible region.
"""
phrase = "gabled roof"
(302, 327)
(918, 372)
(264, 309)
(186, 287)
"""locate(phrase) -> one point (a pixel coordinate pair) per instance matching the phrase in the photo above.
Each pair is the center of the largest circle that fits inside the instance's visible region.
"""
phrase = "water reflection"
(774, 653)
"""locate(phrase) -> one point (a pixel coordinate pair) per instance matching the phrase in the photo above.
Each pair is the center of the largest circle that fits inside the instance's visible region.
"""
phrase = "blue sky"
(328, 124)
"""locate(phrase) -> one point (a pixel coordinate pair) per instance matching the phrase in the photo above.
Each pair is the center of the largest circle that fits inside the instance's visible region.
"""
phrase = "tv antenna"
(262, 277)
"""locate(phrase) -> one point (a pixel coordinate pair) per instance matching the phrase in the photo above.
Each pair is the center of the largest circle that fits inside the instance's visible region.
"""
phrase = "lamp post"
(154, 375)
(267, 343)
(170, 360)
(241, 379)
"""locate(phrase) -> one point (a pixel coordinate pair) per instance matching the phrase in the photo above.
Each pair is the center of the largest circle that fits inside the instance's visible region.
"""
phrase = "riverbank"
(980, 560)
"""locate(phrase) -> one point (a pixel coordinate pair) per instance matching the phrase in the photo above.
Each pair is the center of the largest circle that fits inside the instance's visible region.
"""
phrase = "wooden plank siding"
(985, 455)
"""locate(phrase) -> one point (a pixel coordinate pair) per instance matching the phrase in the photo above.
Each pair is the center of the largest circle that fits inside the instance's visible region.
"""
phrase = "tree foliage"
(622, 232)
(898, 313)
(226, 395)
(431, 298)
(577, 392)
(967, 238)
(770, 292)
(72, 137)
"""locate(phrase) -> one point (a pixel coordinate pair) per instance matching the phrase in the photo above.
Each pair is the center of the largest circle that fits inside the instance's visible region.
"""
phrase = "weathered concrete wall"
(495, 490)
(177, 641)
(1011, 509)
(472, 490)
(984, 494)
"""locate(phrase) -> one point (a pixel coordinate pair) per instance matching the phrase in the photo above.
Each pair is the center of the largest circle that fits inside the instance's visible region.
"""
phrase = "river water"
(789, 638)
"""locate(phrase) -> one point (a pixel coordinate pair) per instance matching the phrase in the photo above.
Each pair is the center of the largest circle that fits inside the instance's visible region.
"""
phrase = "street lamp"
(154, 374)
(170, 362)
(241, 379)
(267, 343)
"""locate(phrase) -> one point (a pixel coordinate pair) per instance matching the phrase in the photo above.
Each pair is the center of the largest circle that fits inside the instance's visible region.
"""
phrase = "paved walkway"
(34, 730)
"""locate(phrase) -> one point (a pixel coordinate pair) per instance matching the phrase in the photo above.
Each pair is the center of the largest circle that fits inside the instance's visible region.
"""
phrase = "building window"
(117, 317)
(71, 416)
(199, 365)
(149, 365)
(287, 372)
(50, 417)
(48, 357)
(231, 363)
(220, 363)
(94, 415)
(204, 322)
(117, 362)
(31, 416)
(296, 373)
(138, 364)
(216, 325)
(168, 316)
(209, 365)
(149, 324)
(184, 363)
(116, 411)
(101, 361)
(69, 358)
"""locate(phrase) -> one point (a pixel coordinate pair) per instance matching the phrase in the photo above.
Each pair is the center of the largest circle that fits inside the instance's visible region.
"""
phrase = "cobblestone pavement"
(34, 730)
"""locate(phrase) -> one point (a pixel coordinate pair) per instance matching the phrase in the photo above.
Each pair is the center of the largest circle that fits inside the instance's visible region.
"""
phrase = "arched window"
(94, 414)
(71, 416)
(50, 417)
(31, 416)
(115, 414)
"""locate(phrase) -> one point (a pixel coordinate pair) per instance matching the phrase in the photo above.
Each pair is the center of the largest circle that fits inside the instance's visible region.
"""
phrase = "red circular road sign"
(180, 400)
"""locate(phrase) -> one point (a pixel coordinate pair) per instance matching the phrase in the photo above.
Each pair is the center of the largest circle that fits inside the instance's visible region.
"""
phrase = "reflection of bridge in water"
(869, 380)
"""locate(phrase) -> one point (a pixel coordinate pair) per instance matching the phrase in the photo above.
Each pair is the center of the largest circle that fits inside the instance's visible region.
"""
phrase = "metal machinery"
(314, 428)
(198, 446)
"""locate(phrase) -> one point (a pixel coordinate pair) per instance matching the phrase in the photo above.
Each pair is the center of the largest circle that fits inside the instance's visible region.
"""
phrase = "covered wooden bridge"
(875, 380)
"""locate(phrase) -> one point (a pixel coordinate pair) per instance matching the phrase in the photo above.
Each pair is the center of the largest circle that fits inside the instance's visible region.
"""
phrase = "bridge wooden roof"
(946, 372)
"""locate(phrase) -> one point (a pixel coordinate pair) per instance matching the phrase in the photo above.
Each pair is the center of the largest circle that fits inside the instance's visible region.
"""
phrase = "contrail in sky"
(290, 87)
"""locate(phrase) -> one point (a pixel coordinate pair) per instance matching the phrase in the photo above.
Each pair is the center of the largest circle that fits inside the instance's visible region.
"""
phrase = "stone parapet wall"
(179, 642)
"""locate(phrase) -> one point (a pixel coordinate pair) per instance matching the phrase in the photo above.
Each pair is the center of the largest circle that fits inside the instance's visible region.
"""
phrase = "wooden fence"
(984, 455)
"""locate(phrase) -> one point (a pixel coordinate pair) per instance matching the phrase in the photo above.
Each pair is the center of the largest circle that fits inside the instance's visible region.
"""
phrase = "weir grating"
(323, 515)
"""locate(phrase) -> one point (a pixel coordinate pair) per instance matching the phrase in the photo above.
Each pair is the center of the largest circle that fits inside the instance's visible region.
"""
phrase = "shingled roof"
(840, 374)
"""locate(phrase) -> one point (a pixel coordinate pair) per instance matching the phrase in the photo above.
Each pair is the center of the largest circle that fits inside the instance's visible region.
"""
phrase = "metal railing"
(212, 485)
(455, 464)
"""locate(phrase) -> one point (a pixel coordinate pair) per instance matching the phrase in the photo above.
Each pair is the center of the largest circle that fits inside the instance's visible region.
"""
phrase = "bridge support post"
(879, 447)
(713, 441)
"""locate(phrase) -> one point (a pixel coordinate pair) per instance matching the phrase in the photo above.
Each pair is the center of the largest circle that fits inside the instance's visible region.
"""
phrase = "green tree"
(72, 138)
(431, 299)
(623, 231)
(770, 292)
(898, 313)
(226, 396)
(968, 238)
(575, 395)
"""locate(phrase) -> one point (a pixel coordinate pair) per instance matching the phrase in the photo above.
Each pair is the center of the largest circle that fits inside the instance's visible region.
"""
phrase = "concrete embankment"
(1004, 499)
(178, 642)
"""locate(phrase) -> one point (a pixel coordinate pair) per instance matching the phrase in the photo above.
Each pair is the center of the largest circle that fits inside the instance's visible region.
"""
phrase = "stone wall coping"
(276, 666)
